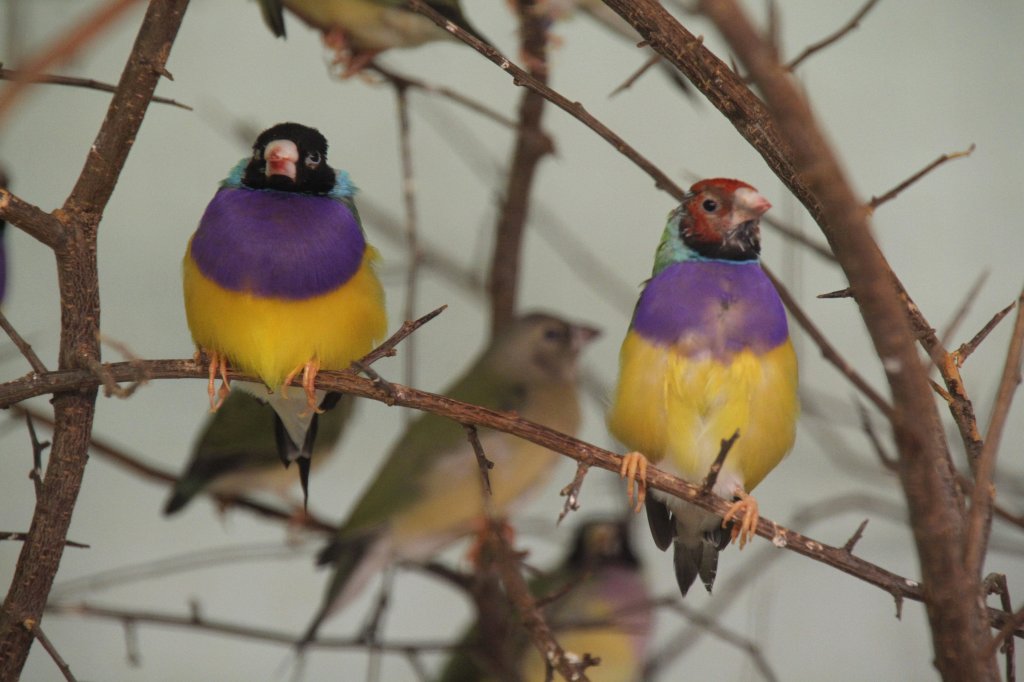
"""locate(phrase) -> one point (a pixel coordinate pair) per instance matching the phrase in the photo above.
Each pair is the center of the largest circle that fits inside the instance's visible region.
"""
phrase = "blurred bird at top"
(601, 609)
(603, 15)
(359, 30)
(279, 279)
(428, 492)
(707, 353)
(237, 452)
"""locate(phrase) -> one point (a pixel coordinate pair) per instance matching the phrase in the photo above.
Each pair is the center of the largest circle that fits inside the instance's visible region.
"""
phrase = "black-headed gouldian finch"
(428, 492)
(279, 280)
(359, 30)
(707, 353)
(600, 606)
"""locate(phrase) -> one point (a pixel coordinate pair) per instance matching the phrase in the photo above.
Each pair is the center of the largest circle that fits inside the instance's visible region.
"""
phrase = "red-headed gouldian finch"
(707, 353)
(600, 606)
(359, 30)
(238, 450)
(428, 492)
(279, 280)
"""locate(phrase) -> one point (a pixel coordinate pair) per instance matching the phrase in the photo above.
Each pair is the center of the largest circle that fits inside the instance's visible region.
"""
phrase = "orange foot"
(309, 371)
(747, 528)
(218, 366)
(634, 467)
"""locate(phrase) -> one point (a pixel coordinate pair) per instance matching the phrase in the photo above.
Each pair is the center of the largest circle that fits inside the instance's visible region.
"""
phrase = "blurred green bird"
(238, 451)
(428, 492)
(359, 30)
(601, 608)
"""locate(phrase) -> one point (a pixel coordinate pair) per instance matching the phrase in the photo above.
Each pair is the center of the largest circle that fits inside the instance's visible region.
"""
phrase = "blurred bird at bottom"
(428, 493)
(600, 608)
(238, 450)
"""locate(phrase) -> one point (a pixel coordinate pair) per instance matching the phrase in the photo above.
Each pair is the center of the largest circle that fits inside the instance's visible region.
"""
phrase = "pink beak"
(281, 157)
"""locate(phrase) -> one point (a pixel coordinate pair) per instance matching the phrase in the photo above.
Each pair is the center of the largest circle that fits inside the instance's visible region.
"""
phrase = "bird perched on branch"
(428, 492)
(598, 605)
(279, 280)
(237, 452)
(359, 30)
(707, 354)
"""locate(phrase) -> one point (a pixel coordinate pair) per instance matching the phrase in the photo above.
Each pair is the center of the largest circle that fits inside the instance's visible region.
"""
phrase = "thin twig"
(33, 627)
(63, 48)
(402, 80)
(855, 538)
(571, 492)
(996, 584)
(898, 189)
(38, 448)
(21, 537)
(411, 239)
(965, 306)
(23, 346)
(980, 519)
(828, 351)
(965, 349)
(522, 78)
(88, 83)
(481, 460)
(716, 466)
(194, 621)
(644, 68)
(888, 461)
(531, 145)
(825, 42)
(519, 596)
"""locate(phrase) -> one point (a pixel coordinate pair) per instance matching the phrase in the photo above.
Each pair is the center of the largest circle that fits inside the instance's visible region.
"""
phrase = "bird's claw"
(218, 367)
(634, 469)
(309, 372)
(747, 527)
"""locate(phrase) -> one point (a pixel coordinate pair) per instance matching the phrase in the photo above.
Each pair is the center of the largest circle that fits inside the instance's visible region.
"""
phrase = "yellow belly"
(676, 409)
(270, 337)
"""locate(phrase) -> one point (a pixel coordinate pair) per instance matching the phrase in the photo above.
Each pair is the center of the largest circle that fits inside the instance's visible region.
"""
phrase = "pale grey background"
(917, 79)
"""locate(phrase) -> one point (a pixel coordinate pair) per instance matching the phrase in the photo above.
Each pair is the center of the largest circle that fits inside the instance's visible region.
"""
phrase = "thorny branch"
(404, 396)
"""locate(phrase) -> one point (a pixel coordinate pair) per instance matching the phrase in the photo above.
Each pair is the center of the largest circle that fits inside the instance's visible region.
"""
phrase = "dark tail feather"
(659, 518)
(700, 559)
(289, 452)
(176, 502)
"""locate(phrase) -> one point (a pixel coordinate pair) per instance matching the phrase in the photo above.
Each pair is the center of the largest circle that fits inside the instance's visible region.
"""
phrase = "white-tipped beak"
(750, 203)
(281, 157)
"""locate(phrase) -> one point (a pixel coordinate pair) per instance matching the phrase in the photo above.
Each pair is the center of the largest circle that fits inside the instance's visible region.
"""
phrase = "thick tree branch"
(958, 625)
(80, 311)
(531, 145)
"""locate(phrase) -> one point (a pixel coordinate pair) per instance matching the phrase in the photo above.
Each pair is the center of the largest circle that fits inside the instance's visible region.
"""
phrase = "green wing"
(428, 441)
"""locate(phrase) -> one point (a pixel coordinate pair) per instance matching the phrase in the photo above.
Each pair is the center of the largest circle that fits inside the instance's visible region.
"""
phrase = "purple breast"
(711, 307)
(277, 244)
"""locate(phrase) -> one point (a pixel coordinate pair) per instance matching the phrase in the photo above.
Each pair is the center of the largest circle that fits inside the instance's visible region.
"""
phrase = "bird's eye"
(313, 159)
(710, 205)
(553, 334)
